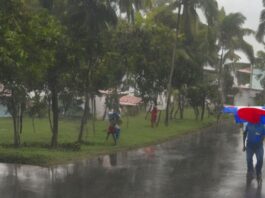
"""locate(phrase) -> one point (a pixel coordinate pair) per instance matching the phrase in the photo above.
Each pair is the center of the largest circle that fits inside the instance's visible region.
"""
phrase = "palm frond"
(261, 54)
(260, 32)
(247, 49)
(210, 9)
(182, 54)
(261, 28)
(231, 28)
(262, 16)
(231, 55)
(247, 31)
(233, 22)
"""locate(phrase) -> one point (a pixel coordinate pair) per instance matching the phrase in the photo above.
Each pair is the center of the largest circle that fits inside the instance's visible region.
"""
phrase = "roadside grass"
(135, 132)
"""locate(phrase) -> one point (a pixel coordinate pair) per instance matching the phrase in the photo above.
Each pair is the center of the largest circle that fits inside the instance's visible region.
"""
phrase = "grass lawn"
(34, 148)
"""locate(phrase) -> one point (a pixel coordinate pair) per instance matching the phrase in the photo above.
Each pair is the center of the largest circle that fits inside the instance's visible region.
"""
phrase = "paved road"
(209, 164)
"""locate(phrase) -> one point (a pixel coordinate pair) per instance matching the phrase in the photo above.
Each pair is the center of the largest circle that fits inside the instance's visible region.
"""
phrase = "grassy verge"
(138, 133)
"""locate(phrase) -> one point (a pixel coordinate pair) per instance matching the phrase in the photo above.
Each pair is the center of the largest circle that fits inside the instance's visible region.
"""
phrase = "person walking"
(253, 145)
(114, 126)
(111, 131)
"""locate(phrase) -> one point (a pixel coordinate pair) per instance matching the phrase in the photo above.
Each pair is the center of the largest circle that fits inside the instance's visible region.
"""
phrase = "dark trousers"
(258, 151)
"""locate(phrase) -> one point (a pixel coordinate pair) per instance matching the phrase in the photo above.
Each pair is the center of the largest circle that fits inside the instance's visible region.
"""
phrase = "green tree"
(152, 60)
(189, 21)
(131, 6)
(197, 97)
(230, 39)
(60, 45)
(24, 56)
(87, 34)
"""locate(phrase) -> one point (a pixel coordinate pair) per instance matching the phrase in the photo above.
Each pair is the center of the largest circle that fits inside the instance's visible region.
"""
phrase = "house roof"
(130, 100)
(209, 68)
(246, 70)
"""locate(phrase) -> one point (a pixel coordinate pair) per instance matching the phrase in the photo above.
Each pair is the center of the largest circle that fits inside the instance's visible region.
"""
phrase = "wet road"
(209, 164)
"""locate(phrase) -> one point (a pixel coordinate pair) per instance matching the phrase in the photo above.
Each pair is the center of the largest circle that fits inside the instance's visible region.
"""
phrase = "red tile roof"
(130, 100)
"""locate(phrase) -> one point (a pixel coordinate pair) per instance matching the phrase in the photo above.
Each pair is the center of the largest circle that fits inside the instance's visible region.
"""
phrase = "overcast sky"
(250, 9)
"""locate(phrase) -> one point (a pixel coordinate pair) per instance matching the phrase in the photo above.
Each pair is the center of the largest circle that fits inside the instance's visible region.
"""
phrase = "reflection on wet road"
(208, 164)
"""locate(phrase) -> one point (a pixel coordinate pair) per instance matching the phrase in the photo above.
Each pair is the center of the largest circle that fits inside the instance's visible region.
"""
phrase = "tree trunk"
(169, 86)
(221, 87)
(22, 109)
(203, 109)
(94, 114)
(187, 22)
(176, 112)
(171, 112)
(158, 119)
(16, 132)
(49, 114)
(220, 80)
(84, 118)
(104, 114)
(196, 112)
(55, 120)
(148, 112)
(14, 114)
(181, 105)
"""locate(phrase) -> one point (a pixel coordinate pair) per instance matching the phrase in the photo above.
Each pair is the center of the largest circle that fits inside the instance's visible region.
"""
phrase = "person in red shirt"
(111, 131)
(153, 116)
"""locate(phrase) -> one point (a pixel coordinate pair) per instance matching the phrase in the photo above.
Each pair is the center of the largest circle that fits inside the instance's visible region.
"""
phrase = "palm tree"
(189, 20)
(261, 28)
(230, 39)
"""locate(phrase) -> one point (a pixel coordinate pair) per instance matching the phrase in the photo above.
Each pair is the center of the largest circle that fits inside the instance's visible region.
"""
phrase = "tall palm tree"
(230, 39)
(189, 19)
(261, 29)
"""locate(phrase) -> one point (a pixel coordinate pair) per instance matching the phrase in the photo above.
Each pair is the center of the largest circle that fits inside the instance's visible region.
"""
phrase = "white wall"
(100, 106)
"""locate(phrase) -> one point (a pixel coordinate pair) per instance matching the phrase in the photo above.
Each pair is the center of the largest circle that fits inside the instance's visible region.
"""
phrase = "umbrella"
(252, 115)
(234, 110)
(230, 109)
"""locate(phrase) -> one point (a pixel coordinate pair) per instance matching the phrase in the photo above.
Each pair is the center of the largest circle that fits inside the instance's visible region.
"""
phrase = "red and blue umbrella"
(254, 114)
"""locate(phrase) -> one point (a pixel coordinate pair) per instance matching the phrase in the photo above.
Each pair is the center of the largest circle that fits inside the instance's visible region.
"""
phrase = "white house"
(247, 89)
(246, 79)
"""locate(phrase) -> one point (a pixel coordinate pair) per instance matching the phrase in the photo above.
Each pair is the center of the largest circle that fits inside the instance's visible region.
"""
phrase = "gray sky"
(251, 10)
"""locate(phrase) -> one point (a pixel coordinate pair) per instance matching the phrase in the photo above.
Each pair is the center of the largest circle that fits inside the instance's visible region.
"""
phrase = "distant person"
(111, 131)
(154, 116)
(117, 132)
(114, 126)
(254, 134)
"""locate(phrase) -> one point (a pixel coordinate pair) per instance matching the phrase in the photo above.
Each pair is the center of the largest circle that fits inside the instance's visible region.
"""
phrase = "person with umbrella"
(253, 140)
